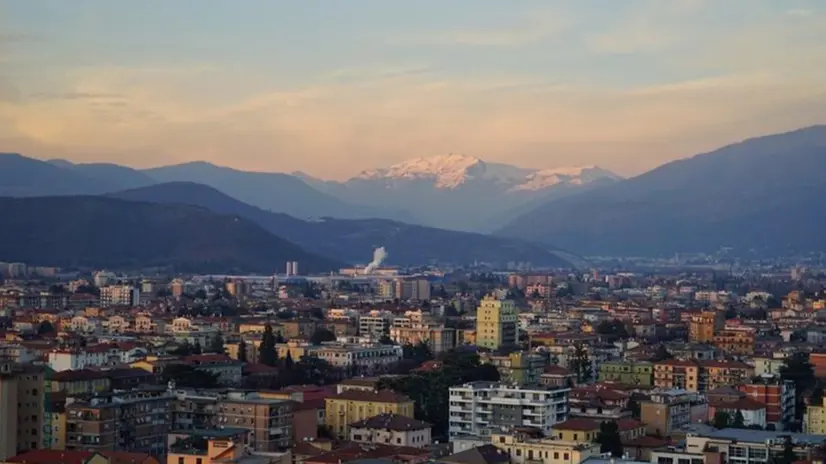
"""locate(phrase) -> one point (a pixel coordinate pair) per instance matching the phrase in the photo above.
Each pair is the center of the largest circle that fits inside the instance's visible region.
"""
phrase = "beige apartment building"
(21, 408)
(496, 323)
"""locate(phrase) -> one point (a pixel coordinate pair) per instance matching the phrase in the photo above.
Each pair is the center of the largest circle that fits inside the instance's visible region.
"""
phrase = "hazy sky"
(333, 87)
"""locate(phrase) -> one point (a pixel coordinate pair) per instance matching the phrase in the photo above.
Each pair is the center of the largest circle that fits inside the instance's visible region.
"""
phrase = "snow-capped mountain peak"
(453, 170)
(448, 171)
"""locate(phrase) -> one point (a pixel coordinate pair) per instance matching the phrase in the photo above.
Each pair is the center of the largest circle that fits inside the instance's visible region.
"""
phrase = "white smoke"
(379, 255)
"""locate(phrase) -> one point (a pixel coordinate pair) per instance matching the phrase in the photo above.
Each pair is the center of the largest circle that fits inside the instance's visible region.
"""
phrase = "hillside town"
(378, 365)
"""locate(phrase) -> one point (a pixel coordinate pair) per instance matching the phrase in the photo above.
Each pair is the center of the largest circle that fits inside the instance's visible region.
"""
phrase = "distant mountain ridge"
(353, 240)
(462, 192)
(759, 196)
(95, 232)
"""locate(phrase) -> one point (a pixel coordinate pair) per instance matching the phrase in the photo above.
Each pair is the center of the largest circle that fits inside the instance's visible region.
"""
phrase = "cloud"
(530, 28)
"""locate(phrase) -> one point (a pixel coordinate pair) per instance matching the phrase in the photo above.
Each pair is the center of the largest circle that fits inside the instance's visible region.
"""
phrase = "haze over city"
(333, 88)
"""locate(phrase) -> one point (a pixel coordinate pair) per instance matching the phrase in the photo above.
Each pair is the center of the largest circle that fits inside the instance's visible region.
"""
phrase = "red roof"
(76, 457)
(577, 424)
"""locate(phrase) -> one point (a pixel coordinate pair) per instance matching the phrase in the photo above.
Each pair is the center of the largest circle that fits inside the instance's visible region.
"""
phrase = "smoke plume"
(379, 255)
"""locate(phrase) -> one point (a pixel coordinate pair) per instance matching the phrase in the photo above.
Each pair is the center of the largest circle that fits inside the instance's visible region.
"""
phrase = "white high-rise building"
(479, 408)
(292, 268)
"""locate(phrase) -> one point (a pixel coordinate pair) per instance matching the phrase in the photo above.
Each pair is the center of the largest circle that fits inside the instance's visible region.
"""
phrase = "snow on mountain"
(453, 170)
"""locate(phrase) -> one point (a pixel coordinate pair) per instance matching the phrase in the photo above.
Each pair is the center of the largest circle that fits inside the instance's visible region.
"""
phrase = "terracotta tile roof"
(76, 457)
(556, 370)
(647, 442)
(354, 451)
(577, 424)
(629, 424)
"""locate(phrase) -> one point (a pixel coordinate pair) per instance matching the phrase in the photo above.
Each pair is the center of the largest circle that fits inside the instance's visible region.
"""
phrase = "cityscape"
(375, 232)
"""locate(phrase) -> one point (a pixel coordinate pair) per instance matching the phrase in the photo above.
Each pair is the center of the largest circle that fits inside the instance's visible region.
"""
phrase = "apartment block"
(778, 396)
(21, 408)
(137, 421)
(737, 341)
(667, 411)
(479, 408)
(496, 323)
(703, 326)
(269, 421)
(629, 373)
(119, 295)
(700, 376)
(520, 368)
(525, 448)
(352, 406)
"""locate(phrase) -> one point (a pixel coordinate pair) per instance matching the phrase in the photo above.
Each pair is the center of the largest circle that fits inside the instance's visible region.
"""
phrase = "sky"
(331, 88)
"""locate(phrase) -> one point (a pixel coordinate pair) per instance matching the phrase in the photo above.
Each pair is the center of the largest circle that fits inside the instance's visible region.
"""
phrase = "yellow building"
(703, 326)
(576, 430)
(814, 420)
(496, 323)
(225, 446)
(352, 406)
(524, 449)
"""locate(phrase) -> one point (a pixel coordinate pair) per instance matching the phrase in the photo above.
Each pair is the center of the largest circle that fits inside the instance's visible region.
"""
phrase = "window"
(180, 460)
(565, 456)
(556, 454)
(199, 461)
(576, 436)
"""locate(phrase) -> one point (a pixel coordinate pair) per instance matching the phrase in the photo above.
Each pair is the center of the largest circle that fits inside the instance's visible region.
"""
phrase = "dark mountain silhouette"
(353, 240)
(276, 192)
(27, 177)
(96, 232)
(761, 196)
(115, 176)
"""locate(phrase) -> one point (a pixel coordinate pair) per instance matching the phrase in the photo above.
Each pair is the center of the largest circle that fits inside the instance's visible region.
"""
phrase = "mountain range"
(760, 196)
(757, 196)
(353, 240)
(462, 192)
(98, 232)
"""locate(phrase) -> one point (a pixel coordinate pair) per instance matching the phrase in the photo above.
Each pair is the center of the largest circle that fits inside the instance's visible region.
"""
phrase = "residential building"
(520, 368)
(556, 376)
(777, 395)
(478, 408)
(269, 421)
(814, 419)
(412, 289)
(227, 370)
(496, 323)
(667, 411)
(365, 359)
(374, 324)
(767, 366)
(351, 406)
(53, 456)
(81, 358)
(225, 446)
(629, 373)
(751, 446)
(438, 338)
(119, 295)
(700, 376)
(524, 448)
(735, 341)
(136, 421)
(391, 429)
(753, 412)
(704, 325)
(21, 408)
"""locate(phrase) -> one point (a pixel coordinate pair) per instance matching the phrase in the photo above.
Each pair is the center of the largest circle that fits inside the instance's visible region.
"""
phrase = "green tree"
(609, 439)
(612, 330)
(722, 420)
(787, 456)
(196, 348)
(322, 335)
(739, 422)
(580, 363)
(45, 327)
(289, 364)
(242, 351)
(267, 353)
(799, 370)
(634, 407)
(661, 354)
(216, 344)
(188, 376)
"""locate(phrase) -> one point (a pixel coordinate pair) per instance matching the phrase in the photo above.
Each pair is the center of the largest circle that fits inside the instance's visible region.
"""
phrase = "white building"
(119, 295)
(374, 323)
(391, 429)
(92, 356)
(369, 359)
(478, 408)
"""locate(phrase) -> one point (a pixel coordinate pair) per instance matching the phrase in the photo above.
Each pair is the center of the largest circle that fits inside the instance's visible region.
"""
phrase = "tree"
(289, 364)
(184, 349)
(612, 330)
(787, 456)
(216, 344)
(242, 351)
(739, 422)
(188, 376)
(661, 354)
(634, 407)
(267, 353)
(609, 439)
(196, 348)
(322, 335)
(580, 363)
(722, 420)
(45, 327)
(200, 294)
(799, 370)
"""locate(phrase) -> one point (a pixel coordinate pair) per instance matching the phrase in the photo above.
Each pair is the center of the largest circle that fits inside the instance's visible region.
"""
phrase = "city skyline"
(333, 89)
